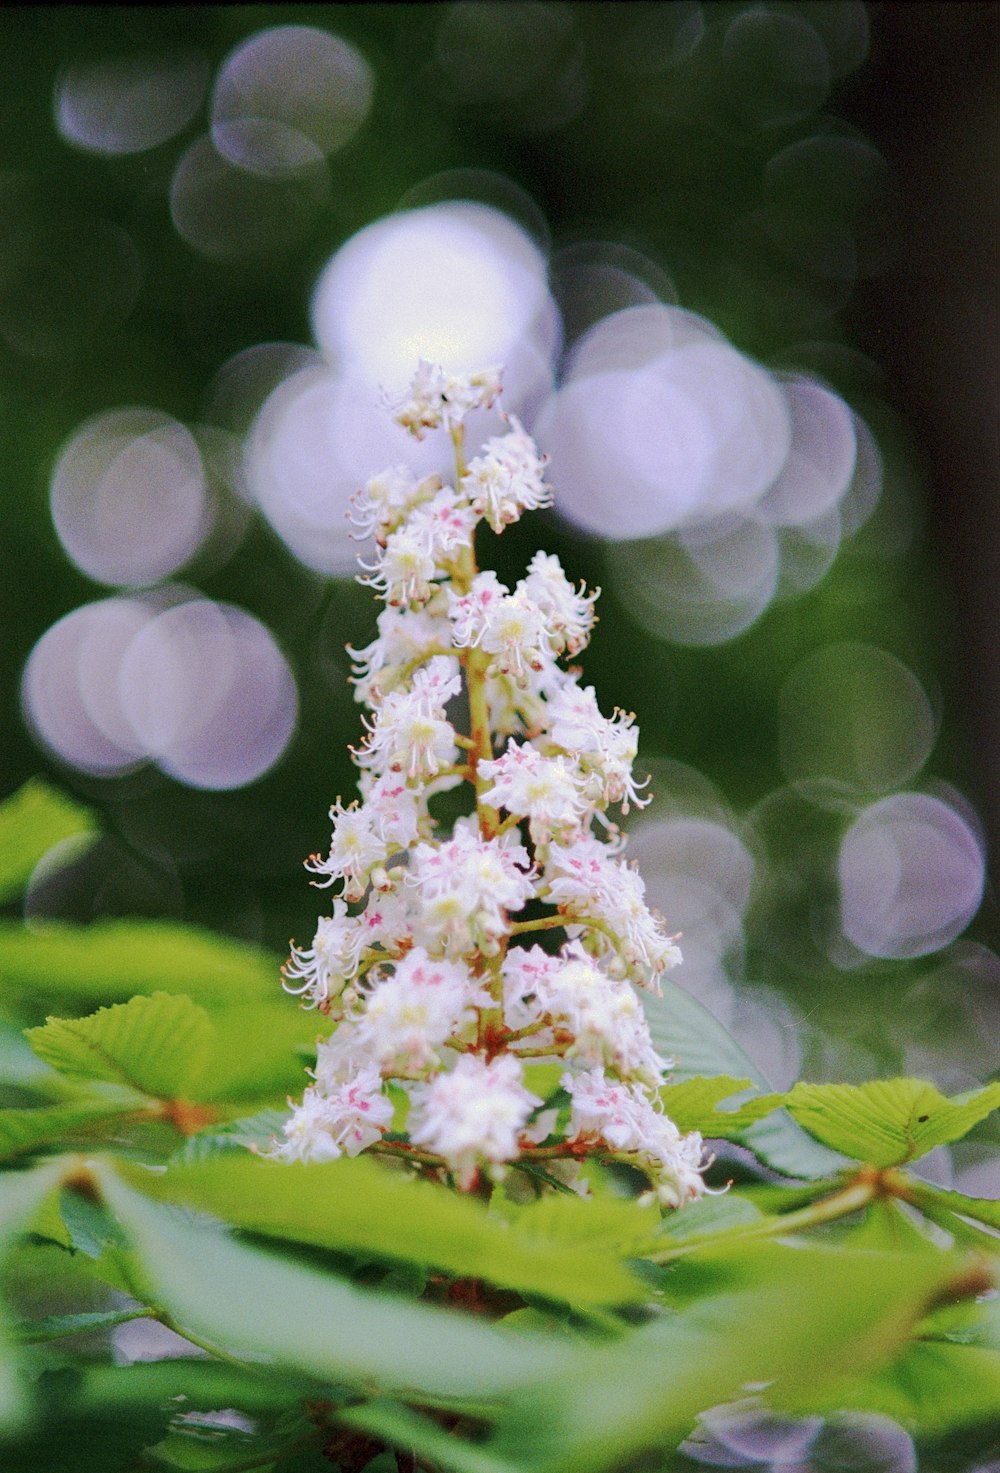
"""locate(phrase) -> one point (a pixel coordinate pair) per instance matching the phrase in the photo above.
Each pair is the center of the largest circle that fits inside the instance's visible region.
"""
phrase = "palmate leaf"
(158, 1045)
(31, 821)
(801, 1318)
(359, 1206)
(110, 961)
(890, 1121)
(687, 1032)
(692, 1104)
(252, 1302)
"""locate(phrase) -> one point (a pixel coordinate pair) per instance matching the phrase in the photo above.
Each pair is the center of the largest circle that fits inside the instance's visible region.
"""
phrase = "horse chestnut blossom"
(455, 965)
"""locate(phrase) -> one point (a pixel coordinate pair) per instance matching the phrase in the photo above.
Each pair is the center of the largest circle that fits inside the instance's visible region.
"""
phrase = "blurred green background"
(816, 180)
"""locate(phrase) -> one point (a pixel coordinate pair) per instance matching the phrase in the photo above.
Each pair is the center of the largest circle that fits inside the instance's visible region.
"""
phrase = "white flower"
(473, 1115)
(402, 570)
(527, 974)
(569, 613)
(445, 525)
(624, 1117)
(507, 478)
(405, 637)
(440, 400)
(583, 880)
(507, 625)
(386, 499)
(354, 849)
(604, 1016)
(467, 887)
(345, 1122)
(541, 789)
(605, 749)
(410, 1014)
(409, 733)
(325, 968)
(394, 810)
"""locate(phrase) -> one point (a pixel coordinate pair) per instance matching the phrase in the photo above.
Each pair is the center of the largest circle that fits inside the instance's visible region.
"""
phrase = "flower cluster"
(456, 965)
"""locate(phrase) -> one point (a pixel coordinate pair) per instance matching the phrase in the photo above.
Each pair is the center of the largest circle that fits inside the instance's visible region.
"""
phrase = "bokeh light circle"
(702, 587)
(209, 693)
(231, 213)
(288, 95)
(911, 874)
(128, 497)
(661, 424)
(458, 284)
(69, 690)
(855, 714)
(317, 439)
(127, 104)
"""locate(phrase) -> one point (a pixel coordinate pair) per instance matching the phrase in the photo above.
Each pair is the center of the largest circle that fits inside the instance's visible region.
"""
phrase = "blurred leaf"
(91, 1227)
(932, 1385)
(692, 1104)
(31, 821)
(406, 1429)
(361, 1206)
(257, 1050)
(57, 1326)
(112, 960)
(687, 1032)
(252, 1302)
(982, 1209)
(800, 1317)
(51, 1126)
(886, 1227)
(21, 1197)
(888, 1121)
(708, 1216)
(157, 1045)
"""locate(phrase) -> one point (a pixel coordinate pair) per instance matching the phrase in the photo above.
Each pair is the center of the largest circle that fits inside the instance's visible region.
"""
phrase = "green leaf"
(709, 1216)
(886, 1227)
(980, 1209)
(687, 1032)
(888, 1122)
(803, 1318)
(258, 1050)
(110, 961)
(55, 1126)
(157, 1045)
(253, 1303)
(22, 1196)
(31, 821)
(932, 1385)
(253, 1132)
(57, 1326)
(362, 1206)
(406, 1429)
(692, 1104)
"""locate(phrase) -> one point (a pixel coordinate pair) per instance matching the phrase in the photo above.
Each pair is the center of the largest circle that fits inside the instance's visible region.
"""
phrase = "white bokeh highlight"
(199, 688)
(128, 497)
(315, 440)
(458, 284)
(128, 104)
(911, 873)
(287, 97)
